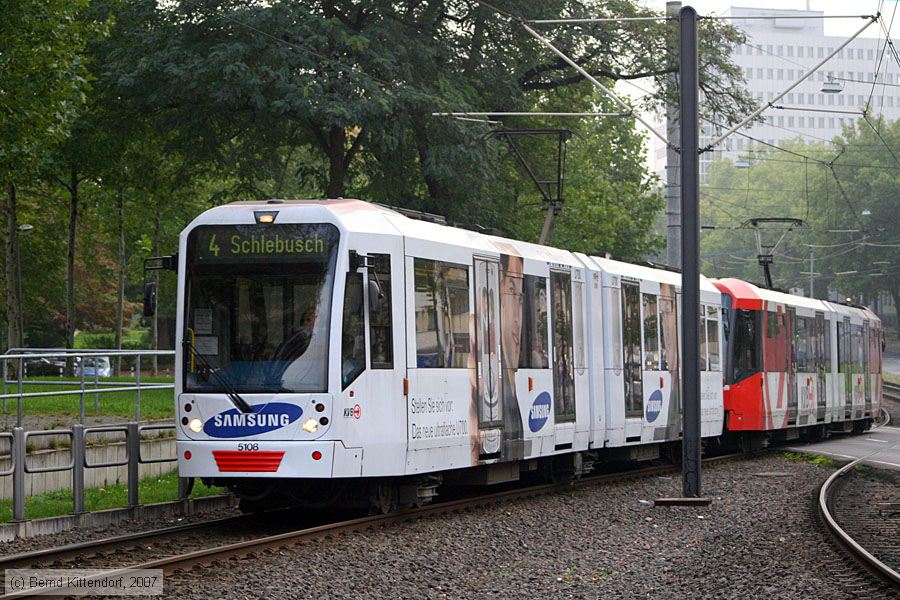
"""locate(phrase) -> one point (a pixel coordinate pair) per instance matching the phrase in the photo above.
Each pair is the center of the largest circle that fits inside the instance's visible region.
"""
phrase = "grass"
(891, 378)
(812, 459)
(155, 404)
(152, 490)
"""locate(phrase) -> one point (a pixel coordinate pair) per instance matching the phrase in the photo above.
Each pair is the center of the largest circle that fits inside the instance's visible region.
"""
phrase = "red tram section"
(797, 365)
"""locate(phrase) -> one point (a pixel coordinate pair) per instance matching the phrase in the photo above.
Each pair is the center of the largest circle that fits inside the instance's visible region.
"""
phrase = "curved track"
(256, 545)
(867, 556)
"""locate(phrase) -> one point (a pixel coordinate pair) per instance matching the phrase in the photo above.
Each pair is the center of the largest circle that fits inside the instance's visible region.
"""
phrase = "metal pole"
(137, 393)
(19, 400)
(19, 297)
(673, 189)
(96, 395)
(78, 450)
(81, 378)
(18, 457)
(133, 444)
(690, 250)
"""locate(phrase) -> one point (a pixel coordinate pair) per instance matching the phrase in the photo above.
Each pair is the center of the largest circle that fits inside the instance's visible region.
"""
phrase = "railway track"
(892, 391)
(877, 530)
(256, 545)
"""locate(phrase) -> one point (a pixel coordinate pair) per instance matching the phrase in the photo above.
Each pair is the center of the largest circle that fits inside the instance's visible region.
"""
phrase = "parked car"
(35, 366)
(92, 364)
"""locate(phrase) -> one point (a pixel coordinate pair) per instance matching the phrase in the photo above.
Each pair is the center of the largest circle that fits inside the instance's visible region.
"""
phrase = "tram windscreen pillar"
(690, 250)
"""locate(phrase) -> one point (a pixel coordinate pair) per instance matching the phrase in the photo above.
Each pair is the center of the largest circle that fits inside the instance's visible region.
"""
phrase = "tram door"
(845, 357)
(487, 356)
(792, 370)
(820, 354)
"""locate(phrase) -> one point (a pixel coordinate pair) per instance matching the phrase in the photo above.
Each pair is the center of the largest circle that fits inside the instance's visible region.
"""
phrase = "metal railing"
(78, 437)
(17, 357)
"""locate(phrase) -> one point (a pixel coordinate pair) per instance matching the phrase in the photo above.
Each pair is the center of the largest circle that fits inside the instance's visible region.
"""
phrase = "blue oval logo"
(654, 405)
(539, 413)
(265, 418)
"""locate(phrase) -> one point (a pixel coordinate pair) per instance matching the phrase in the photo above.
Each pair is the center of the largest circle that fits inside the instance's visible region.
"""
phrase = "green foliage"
(135, 339)
(179, 106)
(152, 490)
(812, 459)
(43, 77)
(832, 202)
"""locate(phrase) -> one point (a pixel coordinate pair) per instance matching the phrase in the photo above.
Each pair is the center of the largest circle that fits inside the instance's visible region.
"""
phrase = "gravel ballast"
(757, 539)
(87, 534)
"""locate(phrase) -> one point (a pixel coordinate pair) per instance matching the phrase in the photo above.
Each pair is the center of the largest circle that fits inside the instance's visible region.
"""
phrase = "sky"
(829, 7)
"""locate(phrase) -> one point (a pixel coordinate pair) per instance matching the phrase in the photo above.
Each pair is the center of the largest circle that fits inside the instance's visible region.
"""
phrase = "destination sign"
(246, 243)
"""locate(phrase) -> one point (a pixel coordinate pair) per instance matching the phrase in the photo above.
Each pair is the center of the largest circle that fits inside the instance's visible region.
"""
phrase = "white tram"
(342, 352)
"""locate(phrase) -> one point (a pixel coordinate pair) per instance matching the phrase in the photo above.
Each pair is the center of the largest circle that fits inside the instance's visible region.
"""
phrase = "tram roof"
(751, 297)
(647, 273)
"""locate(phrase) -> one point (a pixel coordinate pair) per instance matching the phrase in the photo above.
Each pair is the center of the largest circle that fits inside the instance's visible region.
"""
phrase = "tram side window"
(668, 333)
(803, 345)
(442, 314)
(826, 359)
(746, 357)
(353, 334)
(712, 338)
(703, 339)
(533, 353)
(381, 338)
(874, 353)
(843, 341)
(856, 348)
(775, 351)
(651, 333)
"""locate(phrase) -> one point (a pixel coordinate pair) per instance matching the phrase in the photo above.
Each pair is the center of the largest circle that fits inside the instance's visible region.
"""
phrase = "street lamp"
(23, 229)
(830, 86)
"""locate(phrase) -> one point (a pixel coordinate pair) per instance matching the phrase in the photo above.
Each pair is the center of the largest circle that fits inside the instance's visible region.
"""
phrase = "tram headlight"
(310, 425)
(195, 425)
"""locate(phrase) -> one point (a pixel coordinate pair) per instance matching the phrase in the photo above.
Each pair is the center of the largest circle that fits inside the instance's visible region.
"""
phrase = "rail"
(826, 496)
(19, 359)
(892, 390)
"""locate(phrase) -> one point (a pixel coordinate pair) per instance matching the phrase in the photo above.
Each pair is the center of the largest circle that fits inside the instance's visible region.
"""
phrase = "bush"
(135, 339)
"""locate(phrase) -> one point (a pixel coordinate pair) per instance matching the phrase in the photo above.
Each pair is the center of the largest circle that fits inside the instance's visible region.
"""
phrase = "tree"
(844, 190)
(249, 87)
(45, 37)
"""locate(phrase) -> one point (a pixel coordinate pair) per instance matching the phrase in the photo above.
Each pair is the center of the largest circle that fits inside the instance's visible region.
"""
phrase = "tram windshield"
(258, 307)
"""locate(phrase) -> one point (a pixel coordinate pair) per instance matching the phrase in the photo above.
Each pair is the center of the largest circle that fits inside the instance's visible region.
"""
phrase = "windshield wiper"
(232, 394)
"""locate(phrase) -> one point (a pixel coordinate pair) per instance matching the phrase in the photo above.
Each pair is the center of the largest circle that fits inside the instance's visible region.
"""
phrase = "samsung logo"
(654, 405)
(539, 413)
(233, 423)
(251, 420)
